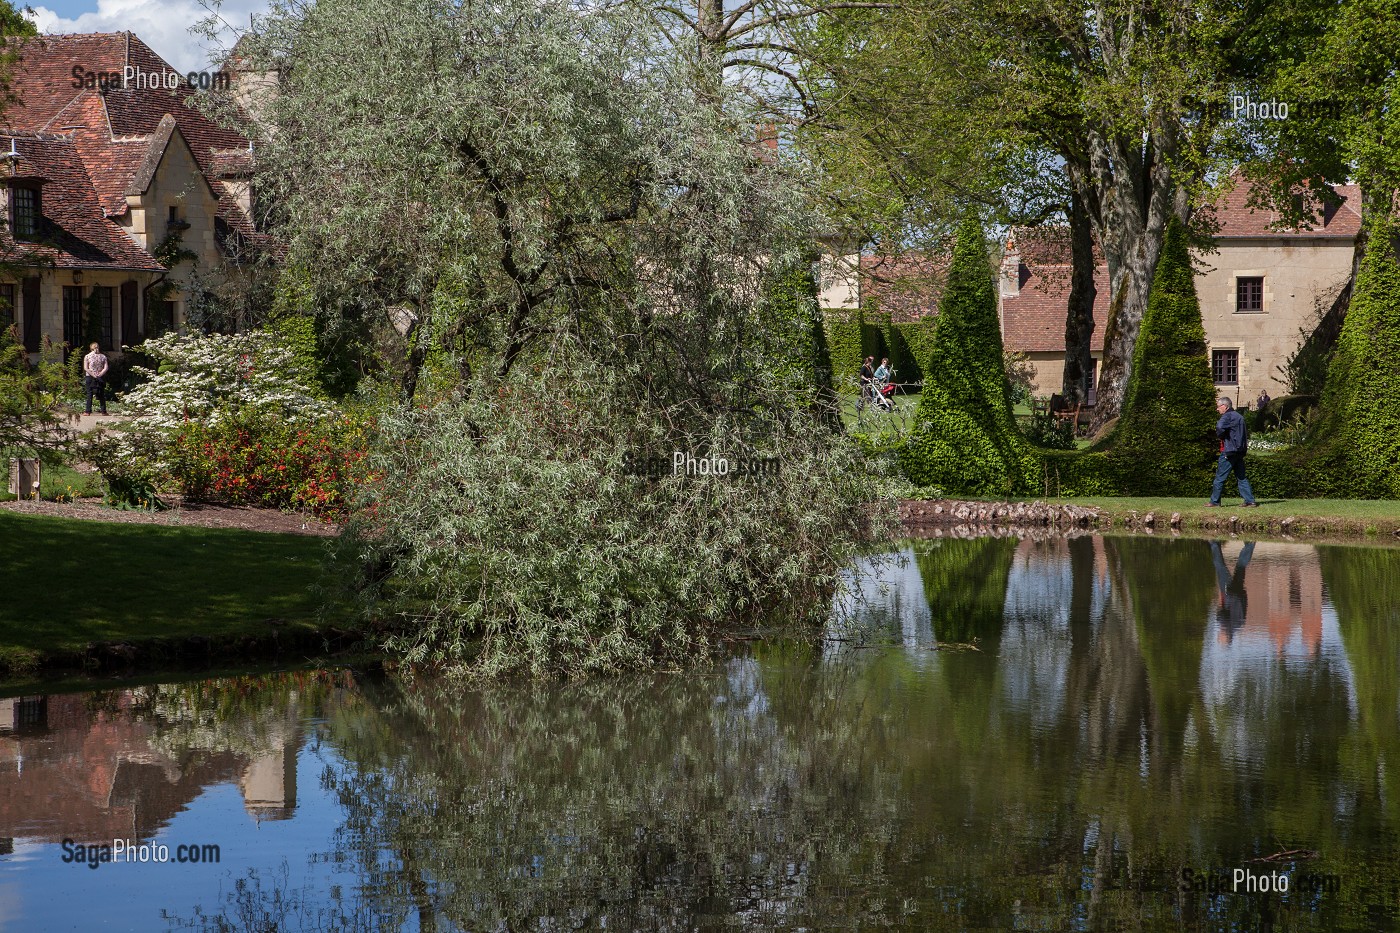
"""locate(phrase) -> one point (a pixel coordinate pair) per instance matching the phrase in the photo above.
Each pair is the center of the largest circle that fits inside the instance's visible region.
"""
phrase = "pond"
(1092, 733)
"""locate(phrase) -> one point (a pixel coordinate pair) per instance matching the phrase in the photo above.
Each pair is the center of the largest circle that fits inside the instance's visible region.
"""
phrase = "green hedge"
(965, 440)
(842, 329)
(1358, 452)
(1166, 437)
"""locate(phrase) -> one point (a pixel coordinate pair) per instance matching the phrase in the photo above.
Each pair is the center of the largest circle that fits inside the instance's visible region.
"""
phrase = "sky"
(162, 24)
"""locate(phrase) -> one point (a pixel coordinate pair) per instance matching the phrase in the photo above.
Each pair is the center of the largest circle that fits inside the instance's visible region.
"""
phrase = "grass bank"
(1359, 517)
(89, 594)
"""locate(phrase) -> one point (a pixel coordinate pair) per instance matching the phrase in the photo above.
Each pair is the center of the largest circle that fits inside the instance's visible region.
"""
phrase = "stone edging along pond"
(971, 515)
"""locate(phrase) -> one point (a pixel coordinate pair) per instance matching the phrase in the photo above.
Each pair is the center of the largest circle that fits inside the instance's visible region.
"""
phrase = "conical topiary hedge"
(964, 439)
(1165, 441)
(1358, 438)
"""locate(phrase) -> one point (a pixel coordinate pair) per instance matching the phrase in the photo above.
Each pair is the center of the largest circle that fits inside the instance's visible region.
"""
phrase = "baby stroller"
(881, 395)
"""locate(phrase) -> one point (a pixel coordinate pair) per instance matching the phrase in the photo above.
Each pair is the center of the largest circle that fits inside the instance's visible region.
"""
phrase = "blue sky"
(162, 24)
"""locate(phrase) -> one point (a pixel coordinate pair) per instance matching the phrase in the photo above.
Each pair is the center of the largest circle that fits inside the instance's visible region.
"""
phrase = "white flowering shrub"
(229, 417)
(216, 378)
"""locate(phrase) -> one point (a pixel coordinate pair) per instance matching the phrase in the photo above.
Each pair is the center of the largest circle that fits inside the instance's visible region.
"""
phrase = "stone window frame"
(1266, 293)
(1237, 351)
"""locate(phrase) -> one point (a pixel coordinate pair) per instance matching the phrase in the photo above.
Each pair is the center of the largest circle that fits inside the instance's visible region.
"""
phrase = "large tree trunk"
(1079, 319)
(1132, 194)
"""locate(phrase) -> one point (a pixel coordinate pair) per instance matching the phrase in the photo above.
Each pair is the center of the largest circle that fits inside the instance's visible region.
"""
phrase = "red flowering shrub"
(265, 460)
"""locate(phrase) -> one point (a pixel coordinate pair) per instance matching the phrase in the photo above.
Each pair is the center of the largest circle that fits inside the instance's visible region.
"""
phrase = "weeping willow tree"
(548, 214)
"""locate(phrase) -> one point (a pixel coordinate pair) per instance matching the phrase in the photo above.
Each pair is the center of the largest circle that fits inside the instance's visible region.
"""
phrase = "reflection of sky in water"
(39, 892)
(1035, 643)
(886, 604)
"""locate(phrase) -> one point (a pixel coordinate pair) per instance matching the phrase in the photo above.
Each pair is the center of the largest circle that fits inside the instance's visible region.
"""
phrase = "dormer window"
(24, 212)
(174, 222)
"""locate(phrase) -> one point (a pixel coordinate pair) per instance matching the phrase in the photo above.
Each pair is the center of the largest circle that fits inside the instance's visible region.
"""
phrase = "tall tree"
(1122, 103)
(577, 240)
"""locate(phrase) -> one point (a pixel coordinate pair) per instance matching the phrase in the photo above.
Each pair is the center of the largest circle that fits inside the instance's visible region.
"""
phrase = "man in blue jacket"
(1233, 445)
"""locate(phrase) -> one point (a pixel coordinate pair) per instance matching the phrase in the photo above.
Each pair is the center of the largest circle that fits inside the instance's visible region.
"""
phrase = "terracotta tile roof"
(1237, 219)
(231, 163)
(114, 127)
(908, 285)
(1033, 321)
(76, 233)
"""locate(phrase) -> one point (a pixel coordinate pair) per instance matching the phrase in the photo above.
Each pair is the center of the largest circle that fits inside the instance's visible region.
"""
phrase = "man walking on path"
(95, 377)
(1230, 430)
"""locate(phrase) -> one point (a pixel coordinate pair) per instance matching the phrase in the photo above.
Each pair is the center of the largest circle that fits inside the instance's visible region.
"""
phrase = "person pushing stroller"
(882, 388)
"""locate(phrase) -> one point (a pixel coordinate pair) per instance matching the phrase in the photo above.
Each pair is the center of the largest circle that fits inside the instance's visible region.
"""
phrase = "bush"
(32, 416)
(1165, 441)
(1047, 431)
(518, 533)
(233, 418)
(844, 330)
(1358, 453)
(964, 438)
(261, 459)
(911, 342)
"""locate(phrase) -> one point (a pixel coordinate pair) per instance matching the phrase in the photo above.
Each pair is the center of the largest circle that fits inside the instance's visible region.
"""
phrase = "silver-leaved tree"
(547, 210)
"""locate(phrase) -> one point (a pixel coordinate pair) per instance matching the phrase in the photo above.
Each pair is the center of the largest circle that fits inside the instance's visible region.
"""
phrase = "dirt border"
(191, 514)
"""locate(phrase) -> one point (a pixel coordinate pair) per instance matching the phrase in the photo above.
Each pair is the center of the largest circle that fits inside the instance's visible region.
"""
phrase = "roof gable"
(76, 234)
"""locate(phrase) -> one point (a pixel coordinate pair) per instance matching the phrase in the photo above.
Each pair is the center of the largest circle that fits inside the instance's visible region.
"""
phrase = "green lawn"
(68, 583)
(902, 417)
(1344, 516)
(57, 481)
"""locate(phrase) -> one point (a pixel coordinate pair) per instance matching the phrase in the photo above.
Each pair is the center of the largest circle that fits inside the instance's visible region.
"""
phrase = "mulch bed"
(201, 514)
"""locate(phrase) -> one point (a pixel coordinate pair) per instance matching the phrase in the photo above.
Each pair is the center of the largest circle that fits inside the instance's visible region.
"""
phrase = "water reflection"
(1009, 734)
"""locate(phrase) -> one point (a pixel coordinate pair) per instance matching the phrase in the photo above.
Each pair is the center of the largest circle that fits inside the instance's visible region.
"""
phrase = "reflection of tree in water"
(785, 790)
(965, 584)
(659, 803)
(1364, 584)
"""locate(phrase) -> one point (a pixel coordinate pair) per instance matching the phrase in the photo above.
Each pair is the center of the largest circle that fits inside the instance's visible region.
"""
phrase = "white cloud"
(164, 25)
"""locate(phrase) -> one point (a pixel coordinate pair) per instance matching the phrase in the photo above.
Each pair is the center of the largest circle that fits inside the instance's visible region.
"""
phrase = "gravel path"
(197, 514)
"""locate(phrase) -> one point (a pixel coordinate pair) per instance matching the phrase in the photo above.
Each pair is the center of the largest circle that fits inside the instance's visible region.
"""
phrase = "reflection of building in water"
(269, 784)
(94, 771)
(1281, 599)
(1287, 647)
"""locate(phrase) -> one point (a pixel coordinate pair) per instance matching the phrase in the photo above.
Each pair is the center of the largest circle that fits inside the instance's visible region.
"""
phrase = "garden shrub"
(792, 294)
(1078, 473)
(964, 438)
(519, 534)
(1165, 440)
(234, 418)
(297, 333)
(259, 458)
(1358, 447)
(911, 342)
(842, 327)
(32, 395)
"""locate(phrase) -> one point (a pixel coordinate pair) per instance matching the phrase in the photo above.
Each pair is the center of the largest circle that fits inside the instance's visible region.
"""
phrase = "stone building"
(110, 167)
(1262, 290)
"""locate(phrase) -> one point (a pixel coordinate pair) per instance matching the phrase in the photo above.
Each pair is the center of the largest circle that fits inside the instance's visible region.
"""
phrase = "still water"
(1086, 734)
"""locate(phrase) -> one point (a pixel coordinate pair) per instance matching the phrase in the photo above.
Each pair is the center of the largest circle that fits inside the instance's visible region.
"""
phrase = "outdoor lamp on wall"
(77, 276)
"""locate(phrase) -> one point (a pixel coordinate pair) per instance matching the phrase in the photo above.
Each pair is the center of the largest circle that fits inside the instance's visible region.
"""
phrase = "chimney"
(1011, 268)
(768, 136)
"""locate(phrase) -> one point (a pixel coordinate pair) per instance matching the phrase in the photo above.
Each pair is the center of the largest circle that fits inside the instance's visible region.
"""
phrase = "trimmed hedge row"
(1358, 448)
(846, 343)
(852, 335)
